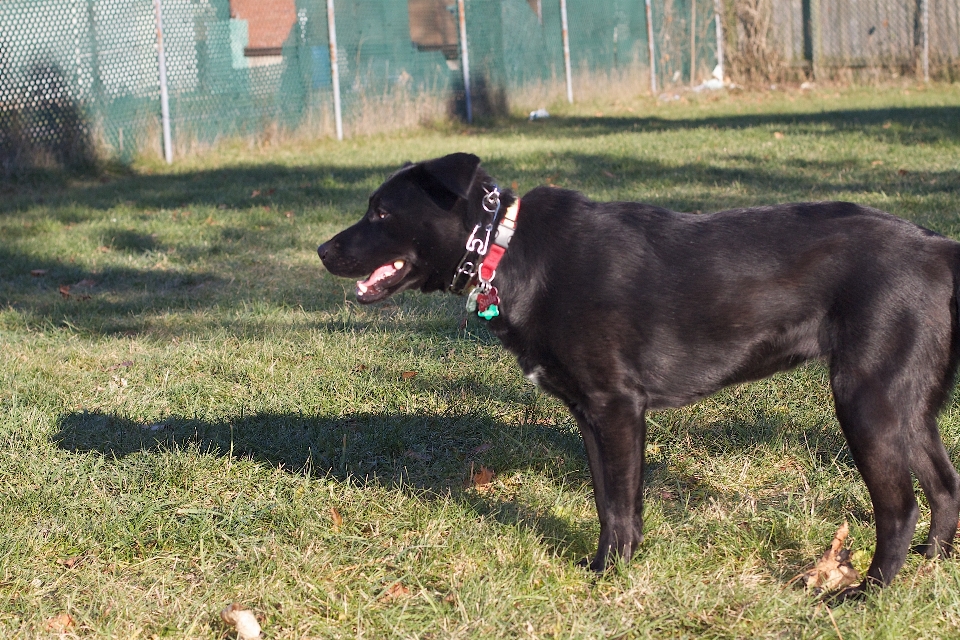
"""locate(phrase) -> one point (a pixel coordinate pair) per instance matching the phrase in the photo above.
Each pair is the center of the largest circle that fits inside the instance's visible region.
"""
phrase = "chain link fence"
(80, 78)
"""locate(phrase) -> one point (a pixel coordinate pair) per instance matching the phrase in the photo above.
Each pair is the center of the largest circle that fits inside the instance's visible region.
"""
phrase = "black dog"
(617, 308)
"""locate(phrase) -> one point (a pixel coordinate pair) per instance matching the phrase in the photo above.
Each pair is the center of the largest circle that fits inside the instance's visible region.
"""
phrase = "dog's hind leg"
(877, 433)
(940, 483)
(614, 435)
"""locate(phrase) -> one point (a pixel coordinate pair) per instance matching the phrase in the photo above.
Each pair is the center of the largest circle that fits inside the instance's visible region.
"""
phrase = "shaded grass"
(176, 433)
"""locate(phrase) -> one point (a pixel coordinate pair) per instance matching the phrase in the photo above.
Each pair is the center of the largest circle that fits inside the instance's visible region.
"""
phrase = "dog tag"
(487, 304)
(472, 299)
(490, 312)
(488, 298)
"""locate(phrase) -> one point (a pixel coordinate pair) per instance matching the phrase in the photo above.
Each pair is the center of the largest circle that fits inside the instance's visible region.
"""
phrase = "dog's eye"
(381, 213)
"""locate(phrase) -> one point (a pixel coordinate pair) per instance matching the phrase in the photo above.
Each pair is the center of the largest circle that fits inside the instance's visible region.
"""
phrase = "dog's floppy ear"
(454, 172)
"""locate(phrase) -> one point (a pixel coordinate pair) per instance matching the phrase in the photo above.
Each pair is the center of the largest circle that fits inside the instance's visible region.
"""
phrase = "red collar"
(488, 268)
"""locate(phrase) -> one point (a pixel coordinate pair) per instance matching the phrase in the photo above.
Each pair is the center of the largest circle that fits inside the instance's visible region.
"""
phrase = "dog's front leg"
(614, 435)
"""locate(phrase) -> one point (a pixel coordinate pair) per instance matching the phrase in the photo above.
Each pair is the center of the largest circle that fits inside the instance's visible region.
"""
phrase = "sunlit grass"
(179, 425)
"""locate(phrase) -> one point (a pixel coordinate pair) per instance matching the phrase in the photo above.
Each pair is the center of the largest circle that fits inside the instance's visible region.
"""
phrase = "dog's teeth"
(398, 264)
(362, 288)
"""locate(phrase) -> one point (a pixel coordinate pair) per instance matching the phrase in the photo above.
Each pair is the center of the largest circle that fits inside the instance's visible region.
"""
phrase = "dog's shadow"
(431, 456)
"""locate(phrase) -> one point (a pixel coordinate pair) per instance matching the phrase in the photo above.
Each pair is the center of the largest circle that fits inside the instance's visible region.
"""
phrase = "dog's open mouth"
(382, 281)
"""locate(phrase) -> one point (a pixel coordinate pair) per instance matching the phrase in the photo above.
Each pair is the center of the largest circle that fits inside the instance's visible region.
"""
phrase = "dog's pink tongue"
(385, 271)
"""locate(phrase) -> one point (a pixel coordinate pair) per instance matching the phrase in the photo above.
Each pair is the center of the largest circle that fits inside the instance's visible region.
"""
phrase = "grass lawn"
(193, 413)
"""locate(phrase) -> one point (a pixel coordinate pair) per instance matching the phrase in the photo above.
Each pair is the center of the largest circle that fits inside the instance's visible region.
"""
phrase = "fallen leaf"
(37, 273)
(486, 446)
(608, 174)
(336, 517)
(778, 135)
(416, 455)
(514, 185)
(833, 570)
(68, 563)
(877, 163)
(103, 249)
(887, 125)
(270, 192)
(86, 282)
(59, 623)
(394, 591)
(482, 477)
(408, 375)
(289, 214)
(255, 193)
(902, 172)
(126, 363)
(242, 620)
(360, 367)
(65, 290)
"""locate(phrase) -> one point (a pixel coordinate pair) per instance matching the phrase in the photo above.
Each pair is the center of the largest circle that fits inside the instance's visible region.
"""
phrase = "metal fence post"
(693, 42)
(653, 59)
(164, 96)
(465, 59)
(816, 40)
(565, 34)
(718, 20)
(925, 25)
(334, 68)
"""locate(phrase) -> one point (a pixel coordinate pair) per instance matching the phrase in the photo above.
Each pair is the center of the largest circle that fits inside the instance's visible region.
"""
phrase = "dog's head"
(413, 233)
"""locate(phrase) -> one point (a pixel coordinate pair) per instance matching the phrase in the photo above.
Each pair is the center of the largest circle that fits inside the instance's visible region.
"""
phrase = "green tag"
(490, 312)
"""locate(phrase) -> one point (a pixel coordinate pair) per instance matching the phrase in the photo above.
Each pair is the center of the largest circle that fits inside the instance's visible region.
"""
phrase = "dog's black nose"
(323, 249)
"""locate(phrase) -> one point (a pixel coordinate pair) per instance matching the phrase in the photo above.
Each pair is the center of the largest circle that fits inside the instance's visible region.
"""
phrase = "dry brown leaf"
(242, 620)
(59, 623)
(877, 163)
(416, 455)
(608, 174)
(902, 172)
(482, 477)
(486, 446)
(68, 563)
(408, 375)
(778, 135)
(336, 517)
(65, 290)
(833, 570)
(255, 193)
(36, 273)
(394, 591)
